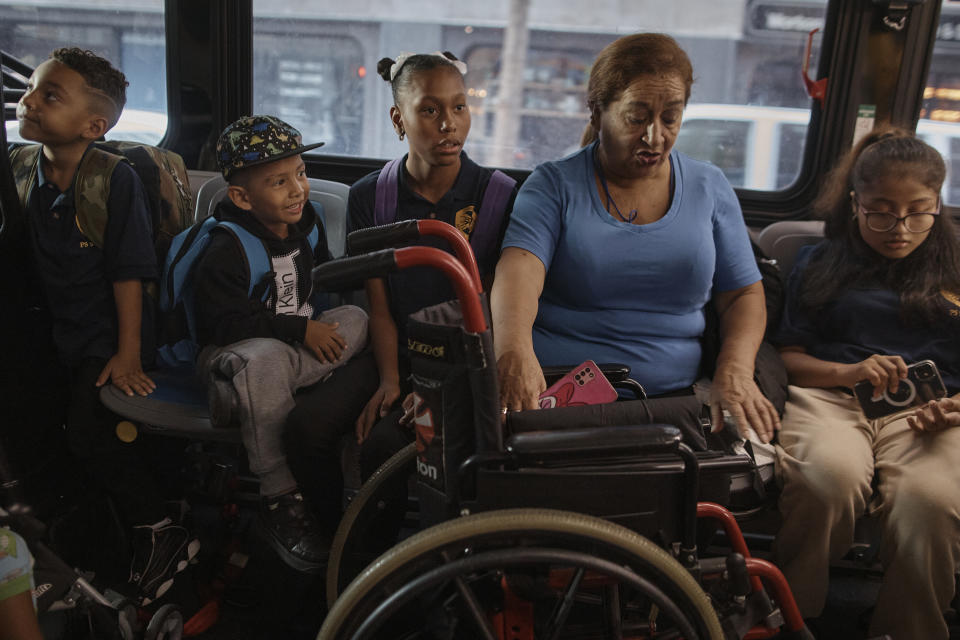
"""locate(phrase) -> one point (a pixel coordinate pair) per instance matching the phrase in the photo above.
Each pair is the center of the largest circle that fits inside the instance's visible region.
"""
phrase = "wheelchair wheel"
(570, 576)
(351, 550)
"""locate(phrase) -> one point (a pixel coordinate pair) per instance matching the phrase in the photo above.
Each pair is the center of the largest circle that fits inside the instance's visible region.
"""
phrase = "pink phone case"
(584, 385)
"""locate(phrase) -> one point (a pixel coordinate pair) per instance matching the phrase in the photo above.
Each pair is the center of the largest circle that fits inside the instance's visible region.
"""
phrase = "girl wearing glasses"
(881, 291)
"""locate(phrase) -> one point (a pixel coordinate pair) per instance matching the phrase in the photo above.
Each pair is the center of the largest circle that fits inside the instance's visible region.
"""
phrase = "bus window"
(130, 36)
(790, 145)
(724, 143)
(939, 123)
(315, 66)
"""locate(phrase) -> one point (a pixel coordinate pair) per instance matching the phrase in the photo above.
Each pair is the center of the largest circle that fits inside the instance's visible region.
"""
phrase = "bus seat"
(209, 196)
(178, 407)
(333, 196)
(782, 240)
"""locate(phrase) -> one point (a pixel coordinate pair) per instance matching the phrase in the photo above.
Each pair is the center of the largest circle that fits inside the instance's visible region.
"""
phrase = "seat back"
(333, 196)
(782, 240)
(209, 196)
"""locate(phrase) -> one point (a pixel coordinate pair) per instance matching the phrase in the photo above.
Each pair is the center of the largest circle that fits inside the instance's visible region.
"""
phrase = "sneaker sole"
(292, 561)
(193, 548)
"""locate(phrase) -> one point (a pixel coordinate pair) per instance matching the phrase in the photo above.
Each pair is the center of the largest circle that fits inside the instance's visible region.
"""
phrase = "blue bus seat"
(178, 407)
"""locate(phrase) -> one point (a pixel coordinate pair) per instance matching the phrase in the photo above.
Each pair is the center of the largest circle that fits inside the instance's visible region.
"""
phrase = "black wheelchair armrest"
(612, 371)
(618, 440)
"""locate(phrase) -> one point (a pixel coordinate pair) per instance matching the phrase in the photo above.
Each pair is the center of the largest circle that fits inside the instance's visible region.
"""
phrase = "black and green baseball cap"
(254, 140)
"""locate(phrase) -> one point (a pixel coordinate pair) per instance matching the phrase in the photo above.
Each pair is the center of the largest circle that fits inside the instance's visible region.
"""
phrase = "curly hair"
(411, 66)
(846, 260)
(107, 85)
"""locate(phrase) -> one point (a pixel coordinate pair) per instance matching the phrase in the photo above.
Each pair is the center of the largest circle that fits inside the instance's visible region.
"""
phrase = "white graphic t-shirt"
(288, 300)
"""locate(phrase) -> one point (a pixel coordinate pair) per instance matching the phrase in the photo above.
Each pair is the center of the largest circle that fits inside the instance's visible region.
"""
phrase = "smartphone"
(585, 384)
(922, 384)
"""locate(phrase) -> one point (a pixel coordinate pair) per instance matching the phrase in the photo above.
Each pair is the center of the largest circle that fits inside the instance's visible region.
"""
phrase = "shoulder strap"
(258, 258)
(314, 236)
(23, 161)
(492, 209)
(321, 224)
(91, 192)
(185, 248)
(385, 203)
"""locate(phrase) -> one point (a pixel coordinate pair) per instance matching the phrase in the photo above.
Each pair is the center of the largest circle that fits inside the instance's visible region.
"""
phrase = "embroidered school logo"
(465, 220)
(953, 299)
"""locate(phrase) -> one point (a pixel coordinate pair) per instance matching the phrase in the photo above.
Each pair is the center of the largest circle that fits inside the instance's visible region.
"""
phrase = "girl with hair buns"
(880, 292)
(434, 180)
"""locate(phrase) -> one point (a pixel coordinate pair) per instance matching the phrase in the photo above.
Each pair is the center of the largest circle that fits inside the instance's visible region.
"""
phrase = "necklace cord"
(606, 190)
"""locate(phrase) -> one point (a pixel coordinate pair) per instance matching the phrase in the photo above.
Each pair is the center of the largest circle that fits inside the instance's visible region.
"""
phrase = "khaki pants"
(828, 455)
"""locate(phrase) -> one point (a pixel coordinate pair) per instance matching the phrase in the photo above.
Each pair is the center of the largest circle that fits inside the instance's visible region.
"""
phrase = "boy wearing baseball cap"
(261, 341)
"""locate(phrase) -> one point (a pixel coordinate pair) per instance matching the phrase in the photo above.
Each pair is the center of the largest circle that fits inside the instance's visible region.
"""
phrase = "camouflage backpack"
(162, 172)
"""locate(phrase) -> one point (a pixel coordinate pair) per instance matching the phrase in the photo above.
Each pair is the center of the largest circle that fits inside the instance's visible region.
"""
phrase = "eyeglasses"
(881, 221)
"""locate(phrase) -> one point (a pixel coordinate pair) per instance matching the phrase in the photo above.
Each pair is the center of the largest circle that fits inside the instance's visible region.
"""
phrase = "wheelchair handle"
(338, 274)
(391, 235)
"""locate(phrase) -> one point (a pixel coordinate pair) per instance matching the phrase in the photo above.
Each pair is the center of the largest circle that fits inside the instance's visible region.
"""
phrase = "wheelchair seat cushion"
(681, 411)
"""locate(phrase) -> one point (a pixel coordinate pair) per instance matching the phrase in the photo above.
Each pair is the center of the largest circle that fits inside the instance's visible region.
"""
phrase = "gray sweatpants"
(828, 456)
(265, 373)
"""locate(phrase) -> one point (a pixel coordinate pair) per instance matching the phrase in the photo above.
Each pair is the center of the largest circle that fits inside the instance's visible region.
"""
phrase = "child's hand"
(125, 372)
(377, 407)
(936, 415)
(322, 338)
(883, 372)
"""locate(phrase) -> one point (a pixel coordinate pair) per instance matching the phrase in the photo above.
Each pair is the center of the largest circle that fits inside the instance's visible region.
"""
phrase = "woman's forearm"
(743, 321)
(514, 300)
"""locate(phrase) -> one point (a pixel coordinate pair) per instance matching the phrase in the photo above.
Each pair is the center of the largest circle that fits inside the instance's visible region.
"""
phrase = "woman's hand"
(377, 407)
(734, 389)
(883, 372)
(521, 380)
(936, 415)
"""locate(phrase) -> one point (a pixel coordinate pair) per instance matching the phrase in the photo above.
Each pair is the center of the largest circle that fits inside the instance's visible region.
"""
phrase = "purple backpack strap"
(385, 202)
(492, 209)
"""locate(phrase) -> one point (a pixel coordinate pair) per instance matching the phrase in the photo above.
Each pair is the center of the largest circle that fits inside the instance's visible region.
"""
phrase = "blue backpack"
(492, 206)
(178, 348)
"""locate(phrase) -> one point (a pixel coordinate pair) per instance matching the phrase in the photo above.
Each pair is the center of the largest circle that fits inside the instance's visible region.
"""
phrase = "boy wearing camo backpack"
(92, 281)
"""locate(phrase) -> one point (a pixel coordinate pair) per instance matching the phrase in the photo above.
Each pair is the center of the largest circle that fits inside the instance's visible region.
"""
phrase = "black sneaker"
(160, 551)
(294, 533)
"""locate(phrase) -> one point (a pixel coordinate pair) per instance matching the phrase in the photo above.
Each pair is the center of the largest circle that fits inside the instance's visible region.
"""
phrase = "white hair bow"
(402, 59)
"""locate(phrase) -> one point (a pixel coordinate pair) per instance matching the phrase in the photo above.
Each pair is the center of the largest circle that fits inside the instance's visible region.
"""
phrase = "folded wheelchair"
(528, 530)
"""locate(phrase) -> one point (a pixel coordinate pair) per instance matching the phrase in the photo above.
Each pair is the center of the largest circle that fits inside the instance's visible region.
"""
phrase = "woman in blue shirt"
(613, 252)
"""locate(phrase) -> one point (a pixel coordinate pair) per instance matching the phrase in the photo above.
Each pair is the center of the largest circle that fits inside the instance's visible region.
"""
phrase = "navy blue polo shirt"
(864, 321)
(76, 276)
(413, 289)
